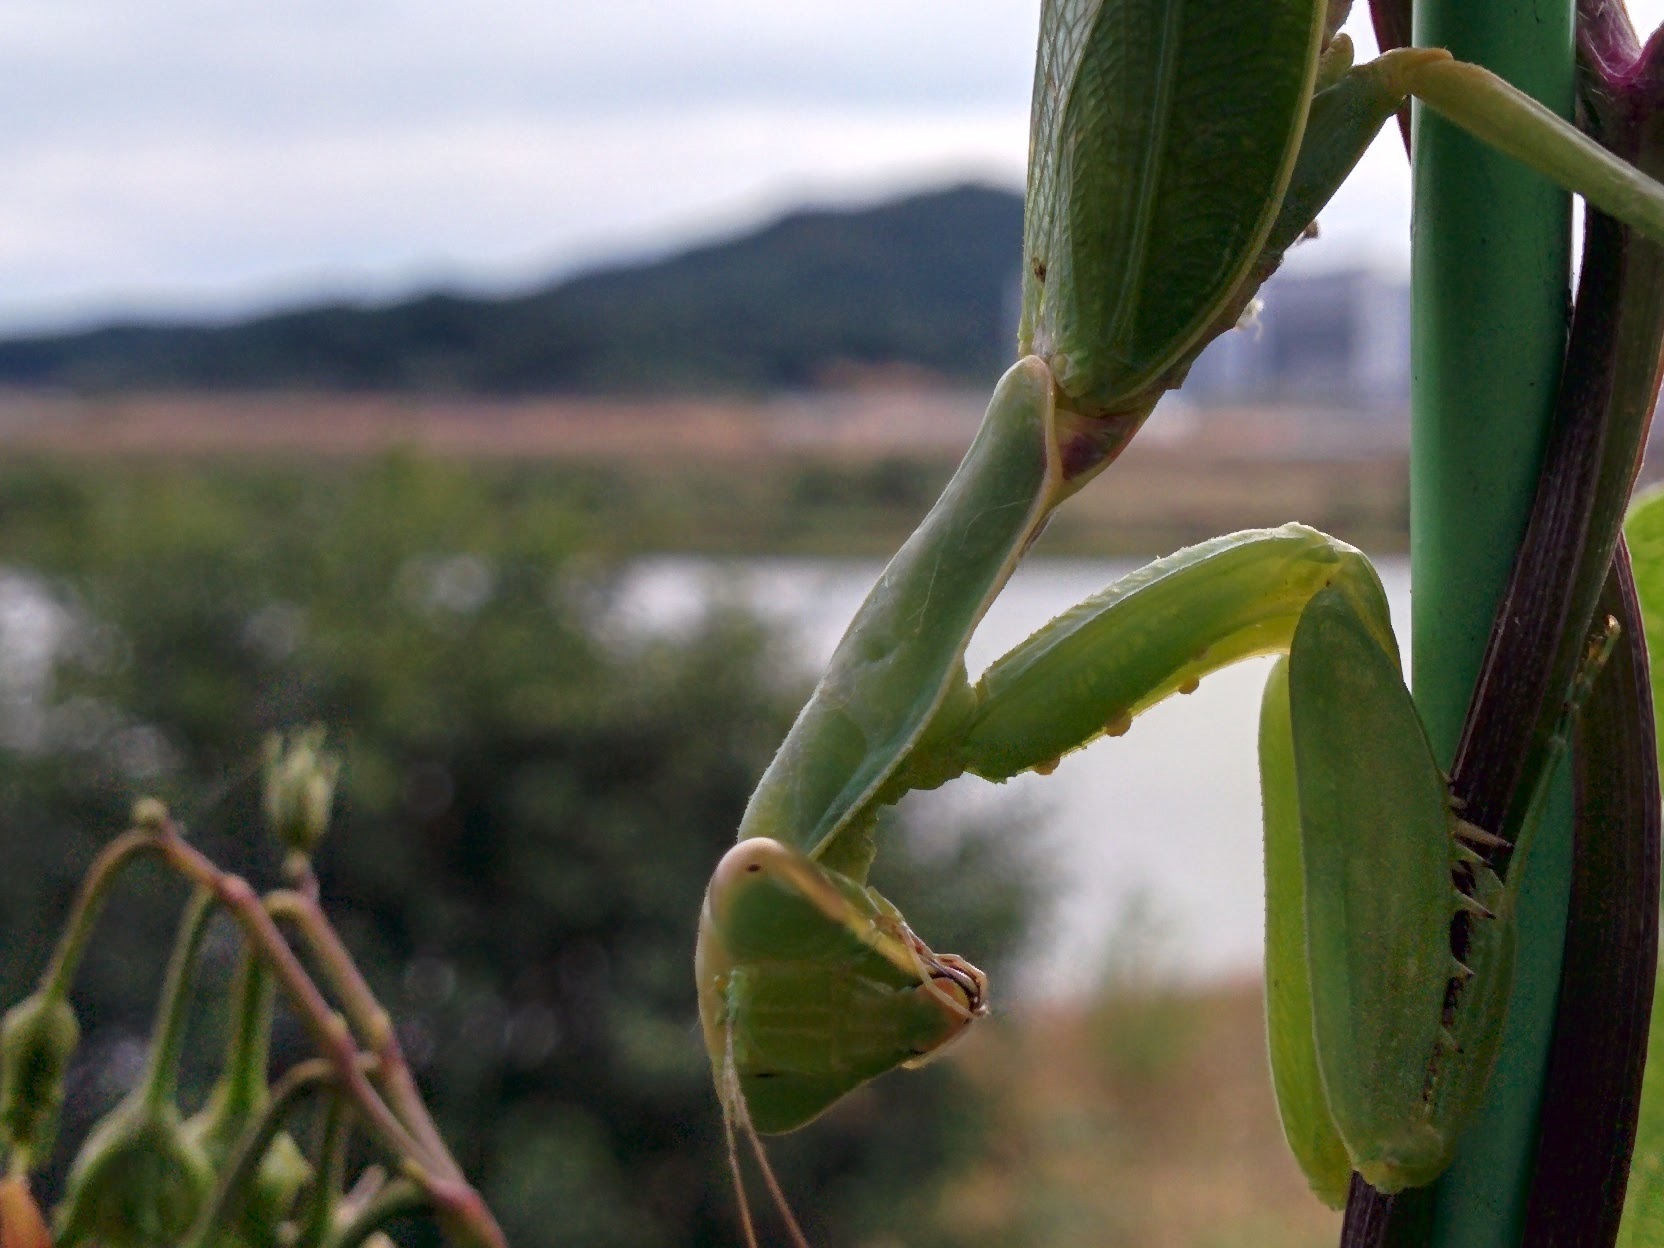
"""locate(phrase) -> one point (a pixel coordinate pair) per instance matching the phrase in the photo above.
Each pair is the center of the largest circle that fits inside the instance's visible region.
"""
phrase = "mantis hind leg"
(1153, 633)
(1373, 892)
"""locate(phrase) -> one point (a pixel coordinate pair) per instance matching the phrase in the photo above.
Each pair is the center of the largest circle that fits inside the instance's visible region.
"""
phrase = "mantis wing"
(1376, 847)
(1308, 1126)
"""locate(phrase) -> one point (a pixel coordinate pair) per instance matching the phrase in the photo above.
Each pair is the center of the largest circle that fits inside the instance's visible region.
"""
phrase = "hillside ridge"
(926, 282)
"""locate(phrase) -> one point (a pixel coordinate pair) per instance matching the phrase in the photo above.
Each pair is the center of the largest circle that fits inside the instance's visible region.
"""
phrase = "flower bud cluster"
(138, 1182)
(300, 788)
(37, 1038)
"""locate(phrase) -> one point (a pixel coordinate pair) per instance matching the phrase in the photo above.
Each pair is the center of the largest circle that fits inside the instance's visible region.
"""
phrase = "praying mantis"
(1177, 150)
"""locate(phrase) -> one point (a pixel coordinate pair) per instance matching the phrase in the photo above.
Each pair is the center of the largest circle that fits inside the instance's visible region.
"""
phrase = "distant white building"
(1340, 339)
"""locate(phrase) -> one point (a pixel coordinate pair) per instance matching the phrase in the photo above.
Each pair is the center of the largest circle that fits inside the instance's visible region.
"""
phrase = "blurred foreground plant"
(231, 1176)
(522, 831)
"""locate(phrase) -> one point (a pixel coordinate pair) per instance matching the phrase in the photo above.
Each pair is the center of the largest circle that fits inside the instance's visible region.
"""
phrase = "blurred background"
(530, 393)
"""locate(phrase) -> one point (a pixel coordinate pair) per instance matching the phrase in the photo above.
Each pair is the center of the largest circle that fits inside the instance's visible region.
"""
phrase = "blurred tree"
(532, 802)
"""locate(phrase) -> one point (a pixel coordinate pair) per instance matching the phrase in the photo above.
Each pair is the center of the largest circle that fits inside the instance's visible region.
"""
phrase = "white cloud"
(203, 153)
(199, 154)
(187, 222)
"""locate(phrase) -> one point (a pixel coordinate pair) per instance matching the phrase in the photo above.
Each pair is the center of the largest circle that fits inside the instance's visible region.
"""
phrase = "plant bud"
(21, 1225)
(139, 1181)
(37, 1039)
(216, 1129)
(300, 788)
(150, 814)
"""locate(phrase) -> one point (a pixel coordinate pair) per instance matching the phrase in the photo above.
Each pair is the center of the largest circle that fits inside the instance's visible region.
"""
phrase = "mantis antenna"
(734, 1111)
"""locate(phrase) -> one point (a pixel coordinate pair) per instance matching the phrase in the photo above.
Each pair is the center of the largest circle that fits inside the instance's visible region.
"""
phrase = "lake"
(1156, 834)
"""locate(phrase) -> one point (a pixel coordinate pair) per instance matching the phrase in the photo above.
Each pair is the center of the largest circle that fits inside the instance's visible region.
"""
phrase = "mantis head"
(810, 985)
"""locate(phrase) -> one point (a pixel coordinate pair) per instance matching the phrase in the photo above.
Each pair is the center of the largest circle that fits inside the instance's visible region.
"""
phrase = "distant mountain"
(928, 282)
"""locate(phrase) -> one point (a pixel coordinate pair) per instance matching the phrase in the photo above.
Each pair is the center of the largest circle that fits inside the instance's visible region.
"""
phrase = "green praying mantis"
(1177, 151)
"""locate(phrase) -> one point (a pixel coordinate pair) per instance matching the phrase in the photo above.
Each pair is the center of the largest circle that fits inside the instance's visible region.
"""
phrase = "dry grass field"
(1146, 1120)
(837, 472)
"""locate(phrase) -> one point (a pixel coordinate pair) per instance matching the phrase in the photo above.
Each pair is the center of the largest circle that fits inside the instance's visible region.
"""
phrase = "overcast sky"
(212, 156)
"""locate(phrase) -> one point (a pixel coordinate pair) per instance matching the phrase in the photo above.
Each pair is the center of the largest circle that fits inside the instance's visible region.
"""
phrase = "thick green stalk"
(89, 905)
(1491, 260)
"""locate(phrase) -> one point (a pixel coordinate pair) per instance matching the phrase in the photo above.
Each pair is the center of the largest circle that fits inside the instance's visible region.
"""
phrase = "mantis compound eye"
(960, 991)
(957, 978)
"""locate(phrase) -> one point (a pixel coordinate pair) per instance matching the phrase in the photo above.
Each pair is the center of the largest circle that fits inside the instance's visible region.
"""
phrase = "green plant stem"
(398, 1199)
(303, 1080)
(249, 1047)
(434, 1169)
(88, 905)
(329, 1031)
(168, 1035)
(364, 1012)
(1491, 263)
(328, 1171)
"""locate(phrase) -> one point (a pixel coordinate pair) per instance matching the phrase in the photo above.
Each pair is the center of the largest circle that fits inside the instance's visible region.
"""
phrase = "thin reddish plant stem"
(364, 1012)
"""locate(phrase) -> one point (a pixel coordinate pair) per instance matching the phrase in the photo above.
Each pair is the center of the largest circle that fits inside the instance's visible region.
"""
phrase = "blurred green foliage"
(531, 804)
(1643, 1221)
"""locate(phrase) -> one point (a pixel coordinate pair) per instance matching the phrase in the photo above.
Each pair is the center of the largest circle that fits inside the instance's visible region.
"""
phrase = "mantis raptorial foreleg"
(907, 642)
(1296, 1077)
(1360, 969)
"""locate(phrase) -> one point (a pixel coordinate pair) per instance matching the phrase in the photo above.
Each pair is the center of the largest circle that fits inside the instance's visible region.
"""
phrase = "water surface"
(1155, 836)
